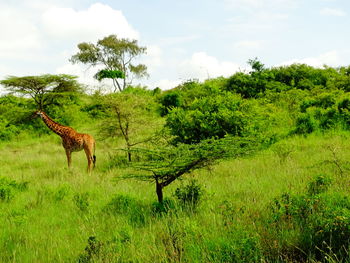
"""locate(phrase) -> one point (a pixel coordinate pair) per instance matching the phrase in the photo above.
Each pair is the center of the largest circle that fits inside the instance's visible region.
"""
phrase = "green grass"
(53, 219)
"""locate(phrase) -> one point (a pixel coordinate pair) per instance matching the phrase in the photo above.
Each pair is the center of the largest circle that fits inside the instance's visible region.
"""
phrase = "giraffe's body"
(72, 141)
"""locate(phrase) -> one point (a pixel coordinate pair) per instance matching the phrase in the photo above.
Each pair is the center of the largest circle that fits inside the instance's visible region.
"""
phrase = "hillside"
(285, 201)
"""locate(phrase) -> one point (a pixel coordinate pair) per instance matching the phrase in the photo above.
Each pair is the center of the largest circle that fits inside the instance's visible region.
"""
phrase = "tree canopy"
(44, 89)
(116, 56)
(165, 164)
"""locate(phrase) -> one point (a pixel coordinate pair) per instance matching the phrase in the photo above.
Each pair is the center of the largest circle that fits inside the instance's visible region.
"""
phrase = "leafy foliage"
(169, 101)
(322, 220)
(214, 116)
(128, 113)
(116, 55)
(164, 165)
(109, 74)
(189, 195)
(44, 89)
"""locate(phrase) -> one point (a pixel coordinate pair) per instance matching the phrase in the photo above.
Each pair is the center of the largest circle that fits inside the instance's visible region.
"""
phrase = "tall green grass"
(69, 216)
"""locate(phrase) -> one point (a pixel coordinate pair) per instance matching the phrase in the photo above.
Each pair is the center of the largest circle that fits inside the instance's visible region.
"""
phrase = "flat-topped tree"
(164, 165)
(116, 55)
(44, 89)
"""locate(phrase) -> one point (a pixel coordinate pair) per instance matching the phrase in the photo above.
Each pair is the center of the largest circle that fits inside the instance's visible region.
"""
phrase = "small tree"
(116, 56)
(164, 165)
(129, 115)
(44, 89)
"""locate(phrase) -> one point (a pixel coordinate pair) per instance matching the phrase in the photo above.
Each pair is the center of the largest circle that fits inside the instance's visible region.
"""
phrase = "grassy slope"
(45, 224)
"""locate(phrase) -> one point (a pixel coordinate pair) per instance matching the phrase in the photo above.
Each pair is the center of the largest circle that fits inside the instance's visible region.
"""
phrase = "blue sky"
(185, 39)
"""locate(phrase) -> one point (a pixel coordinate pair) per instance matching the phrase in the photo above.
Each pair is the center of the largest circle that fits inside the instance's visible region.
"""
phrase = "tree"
(116, 56)
(44, 89)
(129, 115)
(256, 65)
(212, 117)
(166, 164)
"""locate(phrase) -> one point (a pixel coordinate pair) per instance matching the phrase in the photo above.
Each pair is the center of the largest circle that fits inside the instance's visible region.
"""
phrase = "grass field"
(52, 214)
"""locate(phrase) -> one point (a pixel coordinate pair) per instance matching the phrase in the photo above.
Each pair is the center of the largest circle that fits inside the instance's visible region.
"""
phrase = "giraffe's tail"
(94, 156)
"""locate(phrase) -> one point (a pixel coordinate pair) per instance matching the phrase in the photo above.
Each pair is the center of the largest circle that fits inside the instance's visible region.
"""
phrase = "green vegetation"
(116, 56)
(250, 168)
(45, 89)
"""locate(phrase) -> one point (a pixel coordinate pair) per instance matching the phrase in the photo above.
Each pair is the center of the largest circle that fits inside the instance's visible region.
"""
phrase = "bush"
(305, 124)
(249, 86)
(169, 101)
(208, 117)
(344, 112)
(136, 212)
(8, 131)
(189, 195)
(322, 221)
(319, 185)
(8, 188)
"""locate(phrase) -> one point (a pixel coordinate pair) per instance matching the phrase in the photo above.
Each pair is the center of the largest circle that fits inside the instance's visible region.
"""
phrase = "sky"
(185, 39)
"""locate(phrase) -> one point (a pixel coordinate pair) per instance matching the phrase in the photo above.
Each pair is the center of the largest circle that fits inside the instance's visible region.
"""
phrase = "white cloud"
(37, 39)
(332, 12)
(19, 35)
(97, 21)
(166, 84)
(202, 66)
(86, 77)
(153, 59)
(331, 58)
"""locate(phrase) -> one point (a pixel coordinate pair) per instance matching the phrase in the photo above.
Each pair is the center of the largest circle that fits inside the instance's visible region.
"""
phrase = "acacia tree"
(44, 89)
(164, 165)
(116, 56)
(129, 115)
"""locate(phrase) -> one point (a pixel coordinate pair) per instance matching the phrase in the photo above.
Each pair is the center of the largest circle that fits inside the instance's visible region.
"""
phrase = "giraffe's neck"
(52, 125)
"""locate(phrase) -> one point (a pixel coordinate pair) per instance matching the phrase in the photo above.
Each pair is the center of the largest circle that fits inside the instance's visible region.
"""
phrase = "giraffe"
(72, 141)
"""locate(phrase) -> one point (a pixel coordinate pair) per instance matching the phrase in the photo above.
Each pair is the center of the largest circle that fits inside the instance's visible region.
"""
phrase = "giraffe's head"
(38, 113)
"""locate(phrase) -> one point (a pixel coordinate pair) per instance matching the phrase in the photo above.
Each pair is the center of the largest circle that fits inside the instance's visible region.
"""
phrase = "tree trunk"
(129, 154)
(159, 190)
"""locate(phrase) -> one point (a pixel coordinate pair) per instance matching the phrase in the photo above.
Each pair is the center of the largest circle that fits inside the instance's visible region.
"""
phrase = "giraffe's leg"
(69, 157)
(90, 158)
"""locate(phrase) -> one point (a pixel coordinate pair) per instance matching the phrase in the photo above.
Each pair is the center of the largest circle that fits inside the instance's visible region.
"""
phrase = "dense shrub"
(8, 131)
(189, 195)
(214, 116)
(170, 100)
(323, 112)
(321, 219)
(243, 84)
(16, 115)
(305, 124)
